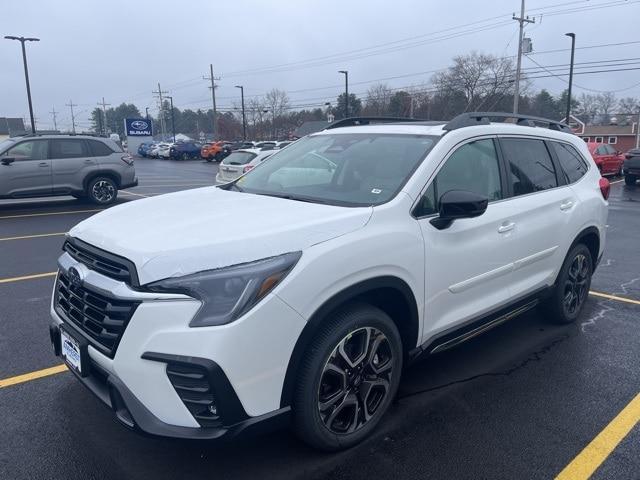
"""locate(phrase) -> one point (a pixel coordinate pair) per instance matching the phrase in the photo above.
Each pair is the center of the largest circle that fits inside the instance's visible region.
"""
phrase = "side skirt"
(461, 333)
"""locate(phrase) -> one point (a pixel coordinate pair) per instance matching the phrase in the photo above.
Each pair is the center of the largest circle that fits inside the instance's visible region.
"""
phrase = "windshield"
(239, 158)
(341, 169)
(5, 144)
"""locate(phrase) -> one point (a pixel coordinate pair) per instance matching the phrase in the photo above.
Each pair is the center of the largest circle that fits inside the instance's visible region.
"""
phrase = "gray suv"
(79, 165)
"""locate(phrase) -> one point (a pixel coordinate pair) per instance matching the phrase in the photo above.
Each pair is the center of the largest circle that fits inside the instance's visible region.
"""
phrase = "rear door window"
(530, 166)
(68, 148)
(99, 149)
(572, 163)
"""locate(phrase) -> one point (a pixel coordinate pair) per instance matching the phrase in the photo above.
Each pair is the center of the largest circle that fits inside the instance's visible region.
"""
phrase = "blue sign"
(138, 127)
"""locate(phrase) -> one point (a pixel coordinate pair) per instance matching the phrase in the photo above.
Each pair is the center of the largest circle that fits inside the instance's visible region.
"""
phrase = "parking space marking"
(181, 185)
(594, 454)
(617, 181)
(136, 194)
(614, 297)
(28, 277)
(27, 377)
(44, 214)
(25, 237)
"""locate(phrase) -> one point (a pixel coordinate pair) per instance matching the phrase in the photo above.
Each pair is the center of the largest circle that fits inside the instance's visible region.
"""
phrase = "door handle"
(88, 161)
(506, 227)
(43, 164)
(566, 205)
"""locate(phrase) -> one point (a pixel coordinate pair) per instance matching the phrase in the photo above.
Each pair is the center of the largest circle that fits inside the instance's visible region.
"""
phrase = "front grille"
(102, 262)
(101, 318)
(194, 389)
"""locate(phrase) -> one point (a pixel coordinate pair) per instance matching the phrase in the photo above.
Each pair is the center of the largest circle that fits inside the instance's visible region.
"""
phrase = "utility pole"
(159, 95)
(573, 51)
(54, 114)
(244, 118)
(173, 125)
(26, 74)
(346, 92)
(521, 20)
(213, 96)
(104, 111)
(73, 118)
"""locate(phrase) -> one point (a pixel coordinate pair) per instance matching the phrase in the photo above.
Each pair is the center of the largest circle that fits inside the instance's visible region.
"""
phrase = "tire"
(572, 286)
(630, 180)
(185, 156)
(347, 381)
(208, 159)
(102, 191)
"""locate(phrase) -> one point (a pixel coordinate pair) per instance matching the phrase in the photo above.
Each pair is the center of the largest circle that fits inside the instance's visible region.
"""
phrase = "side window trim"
(452, 150)
(561, 178)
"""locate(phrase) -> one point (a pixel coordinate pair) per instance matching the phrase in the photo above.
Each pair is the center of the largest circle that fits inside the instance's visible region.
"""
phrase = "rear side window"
(572, 163)
(530, 165)
(99, 149)
(72, 148)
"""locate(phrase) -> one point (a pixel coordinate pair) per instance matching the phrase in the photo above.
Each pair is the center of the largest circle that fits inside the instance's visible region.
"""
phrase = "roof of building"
(11, 126)
(617, 130)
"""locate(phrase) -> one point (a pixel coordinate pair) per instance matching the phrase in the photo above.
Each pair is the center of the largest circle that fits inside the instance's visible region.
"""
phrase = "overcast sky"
(121, 49)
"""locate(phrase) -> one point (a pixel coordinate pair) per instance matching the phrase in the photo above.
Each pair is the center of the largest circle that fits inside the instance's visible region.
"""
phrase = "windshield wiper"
(293, 197)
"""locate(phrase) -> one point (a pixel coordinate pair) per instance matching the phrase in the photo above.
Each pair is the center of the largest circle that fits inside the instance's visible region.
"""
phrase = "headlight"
(227, 293)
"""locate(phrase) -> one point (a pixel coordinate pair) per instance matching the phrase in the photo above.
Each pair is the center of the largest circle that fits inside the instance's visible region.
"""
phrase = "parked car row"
(210, 151)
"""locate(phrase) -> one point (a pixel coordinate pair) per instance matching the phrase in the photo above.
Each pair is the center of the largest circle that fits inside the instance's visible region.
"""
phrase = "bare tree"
(277, 102)
(378, 98)
(481, 80)
(606, 102)
(629, 105)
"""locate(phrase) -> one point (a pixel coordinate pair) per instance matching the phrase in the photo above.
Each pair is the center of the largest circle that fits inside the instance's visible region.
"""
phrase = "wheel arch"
(102, 173)
(391, 294)
(590, 237)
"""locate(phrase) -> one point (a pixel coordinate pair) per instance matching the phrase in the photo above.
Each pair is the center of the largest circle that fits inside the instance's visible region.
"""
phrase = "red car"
(608, 159)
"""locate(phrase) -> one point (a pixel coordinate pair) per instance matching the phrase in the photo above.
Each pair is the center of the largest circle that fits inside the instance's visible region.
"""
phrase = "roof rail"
(355, 121)
(70, 134)
(471, 119)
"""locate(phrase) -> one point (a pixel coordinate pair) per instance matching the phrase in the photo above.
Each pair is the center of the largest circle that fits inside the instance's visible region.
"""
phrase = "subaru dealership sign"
(138, 127)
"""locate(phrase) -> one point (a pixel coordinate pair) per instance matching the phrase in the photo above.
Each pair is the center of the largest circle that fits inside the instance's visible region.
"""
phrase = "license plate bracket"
(74, 352)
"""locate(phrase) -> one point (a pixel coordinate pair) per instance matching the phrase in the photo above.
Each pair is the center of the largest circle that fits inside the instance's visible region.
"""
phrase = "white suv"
(303, 288)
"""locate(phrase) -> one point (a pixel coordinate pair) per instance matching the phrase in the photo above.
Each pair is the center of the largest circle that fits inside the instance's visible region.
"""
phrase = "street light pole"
(244, 118)
(26, 74)
(573, 50)
(346, 92)
(173, 125)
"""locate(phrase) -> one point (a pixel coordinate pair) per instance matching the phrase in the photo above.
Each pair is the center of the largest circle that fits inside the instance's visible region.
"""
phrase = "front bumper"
(133, 414)
(250, 355)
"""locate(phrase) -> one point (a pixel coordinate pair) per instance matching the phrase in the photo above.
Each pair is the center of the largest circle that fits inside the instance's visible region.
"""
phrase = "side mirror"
(7, 160)
(456, 204)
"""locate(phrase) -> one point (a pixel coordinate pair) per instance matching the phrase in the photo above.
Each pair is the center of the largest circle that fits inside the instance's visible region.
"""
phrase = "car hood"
(206, 228)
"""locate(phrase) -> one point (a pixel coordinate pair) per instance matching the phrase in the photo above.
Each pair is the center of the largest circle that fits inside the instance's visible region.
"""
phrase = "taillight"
(605, 187)
(128, 159)
(247, 168)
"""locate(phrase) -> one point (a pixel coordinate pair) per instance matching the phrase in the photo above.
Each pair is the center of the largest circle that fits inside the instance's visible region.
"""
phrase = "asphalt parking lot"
(521, 402)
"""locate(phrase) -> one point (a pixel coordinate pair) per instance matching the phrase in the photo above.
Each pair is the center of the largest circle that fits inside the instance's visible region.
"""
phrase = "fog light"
(213, 409)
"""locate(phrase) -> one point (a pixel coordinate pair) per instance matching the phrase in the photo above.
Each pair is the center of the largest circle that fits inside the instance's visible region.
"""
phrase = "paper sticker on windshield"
(376, 191)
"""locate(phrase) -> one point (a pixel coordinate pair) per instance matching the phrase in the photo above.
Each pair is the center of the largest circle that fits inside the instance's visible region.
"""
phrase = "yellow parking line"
(24, 237)
(68, 212)
(594, 454)
(614, 297)
(28, 277)
(27, 377)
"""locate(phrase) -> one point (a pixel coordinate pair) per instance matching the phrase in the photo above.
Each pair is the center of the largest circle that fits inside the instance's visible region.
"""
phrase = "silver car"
(79, 165)
(240, 162)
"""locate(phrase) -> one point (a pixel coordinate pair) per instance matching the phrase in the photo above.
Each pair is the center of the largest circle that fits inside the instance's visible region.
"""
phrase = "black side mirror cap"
(7, 160)
(456, 204)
